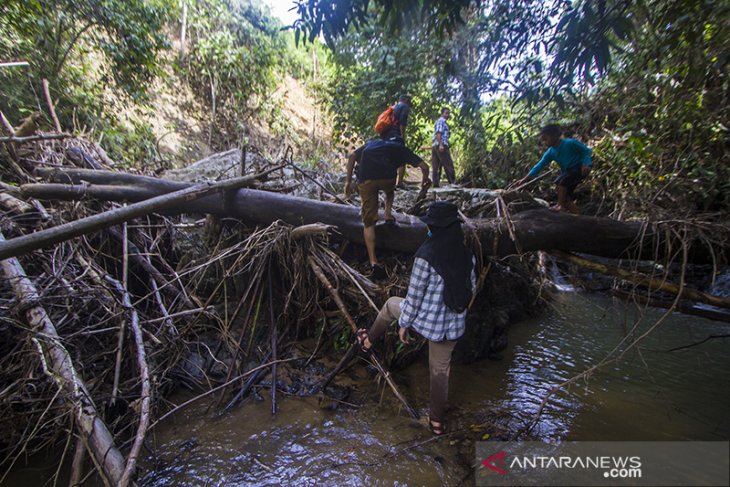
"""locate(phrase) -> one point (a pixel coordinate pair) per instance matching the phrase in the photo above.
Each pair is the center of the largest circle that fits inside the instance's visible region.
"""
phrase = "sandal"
(438, 428)
(362, 335)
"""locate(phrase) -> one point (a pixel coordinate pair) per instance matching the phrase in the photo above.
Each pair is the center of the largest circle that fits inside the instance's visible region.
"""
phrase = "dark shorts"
(570, 180)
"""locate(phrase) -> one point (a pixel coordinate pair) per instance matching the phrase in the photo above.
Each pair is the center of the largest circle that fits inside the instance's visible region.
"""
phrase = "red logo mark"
(488, 462)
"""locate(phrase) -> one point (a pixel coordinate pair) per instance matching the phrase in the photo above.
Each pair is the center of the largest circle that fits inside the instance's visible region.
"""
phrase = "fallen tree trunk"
(651, 282)
(534, 229)
(92, 429)
(183, 197)
(681, 307)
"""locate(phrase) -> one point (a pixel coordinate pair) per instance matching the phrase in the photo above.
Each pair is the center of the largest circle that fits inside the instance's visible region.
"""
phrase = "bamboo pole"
(92, 429)
(343, 309)
(644, 280)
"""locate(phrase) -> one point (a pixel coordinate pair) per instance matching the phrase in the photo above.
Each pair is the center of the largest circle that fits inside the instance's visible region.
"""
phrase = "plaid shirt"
(443, 127)
(424, 310)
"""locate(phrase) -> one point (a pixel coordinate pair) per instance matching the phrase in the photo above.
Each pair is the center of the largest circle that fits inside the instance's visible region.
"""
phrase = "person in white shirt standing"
(440, 153)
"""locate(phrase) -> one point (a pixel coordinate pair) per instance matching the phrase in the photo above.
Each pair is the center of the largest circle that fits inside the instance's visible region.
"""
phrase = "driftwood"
(339, 367)
(14, 205)
(144, 399)
(27, 243)
(13, 161)
(77, 464)
(533, 229)
(682, 307)
(109, 178)
(54, 356)
(79, 157)
(158, 280)
(343, 309)
(35, 138)
(644, 280)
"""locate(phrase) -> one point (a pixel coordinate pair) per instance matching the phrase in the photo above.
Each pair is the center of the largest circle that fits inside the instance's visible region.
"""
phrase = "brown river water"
(650, 394)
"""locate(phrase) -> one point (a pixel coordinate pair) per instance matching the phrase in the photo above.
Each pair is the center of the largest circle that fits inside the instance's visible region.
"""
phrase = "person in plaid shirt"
(440, 153)
(442, 283)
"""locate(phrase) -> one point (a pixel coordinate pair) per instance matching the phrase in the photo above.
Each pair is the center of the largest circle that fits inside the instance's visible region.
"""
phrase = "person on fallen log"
(442, 283)
(575, 162)
(378, 161)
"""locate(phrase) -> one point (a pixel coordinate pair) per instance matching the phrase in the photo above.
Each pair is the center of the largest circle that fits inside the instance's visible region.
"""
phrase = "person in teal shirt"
(575, 162)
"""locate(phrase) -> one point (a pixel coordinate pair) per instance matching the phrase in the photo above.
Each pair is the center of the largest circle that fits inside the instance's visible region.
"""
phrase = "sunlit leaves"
(128, 32)
(236, 54)
(334, 18)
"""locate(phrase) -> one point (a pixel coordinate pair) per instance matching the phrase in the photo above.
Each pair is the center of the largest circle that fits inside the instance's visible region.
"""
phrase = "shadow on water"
(650, 394)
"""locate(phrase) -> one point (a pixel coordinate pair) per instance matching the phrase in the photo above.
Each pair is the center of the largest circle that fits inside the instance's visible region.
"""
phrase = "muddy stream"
(651, 395)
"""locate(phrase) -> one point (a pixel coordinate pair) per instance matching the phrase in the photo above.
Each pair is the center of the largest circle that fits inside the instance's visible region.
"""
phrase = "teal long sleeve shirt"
(568, 154)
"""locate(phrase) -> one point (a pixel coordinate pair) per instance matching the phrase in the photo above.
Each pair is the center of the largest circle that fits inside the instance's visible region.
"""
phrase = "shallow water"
(650, 394)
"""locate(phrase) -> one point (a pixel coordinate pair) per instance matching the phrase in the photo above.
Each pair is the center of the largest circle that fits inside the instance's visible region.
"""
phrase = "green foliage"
(333, 19)
(370, 72)
(644, 82)
(372, 67)
(101, 56)
(126, 33)
(237, 58)
(510, 144)
(664, 115)
(132, 148)
(88, 51)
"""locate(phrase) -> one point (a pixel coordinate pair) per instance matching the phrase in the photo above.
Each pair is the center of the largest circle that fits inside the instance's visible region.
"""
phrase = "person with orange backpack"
(391, 125)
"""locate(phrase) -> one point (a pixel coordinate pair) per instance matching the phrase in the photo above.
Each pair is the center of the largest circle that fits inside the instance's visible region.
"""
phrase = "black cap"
(441, 214)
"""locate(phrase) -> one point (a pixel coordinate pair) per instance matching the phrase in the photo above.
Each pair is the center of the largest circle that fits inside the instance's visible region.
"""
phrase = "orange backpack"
(385, 121)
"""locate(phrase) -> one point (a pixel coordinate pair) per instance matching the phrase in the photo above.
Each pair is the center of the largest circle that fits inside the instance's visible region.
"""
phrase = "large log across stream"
(538, 229)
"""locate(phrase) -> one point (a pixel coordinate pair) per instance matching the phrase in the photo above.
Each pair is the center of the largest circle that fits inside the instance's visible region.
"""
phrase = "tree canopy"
(648, 74)
(644, 82)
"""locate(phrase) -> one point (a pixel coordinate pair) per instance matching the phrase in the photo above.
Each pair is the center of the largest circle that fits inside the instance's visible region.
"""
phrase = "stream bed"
(651, 393)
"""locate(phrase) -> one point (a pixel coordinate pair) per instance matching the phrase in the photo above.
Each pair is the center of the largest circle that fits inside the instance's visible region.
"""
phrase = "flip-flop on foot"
(362, 335)
(438, 428)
